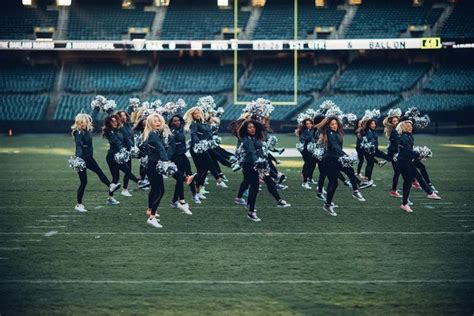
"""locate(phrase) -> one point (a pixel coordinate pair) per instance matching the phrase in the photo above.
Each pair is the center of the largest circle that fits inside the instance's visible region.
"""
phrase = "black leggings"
(204, 163)
(323, 175)
(224, 153)
(157, 187)
(271, 187)
(409, 172)
(251, 177)
(371, 162)
(217, 156)
(308, 166)
(92, 165)
(115, 168)
(421, 167)
(126, 179)
(333, 168)
(360, 156)
(184, 168)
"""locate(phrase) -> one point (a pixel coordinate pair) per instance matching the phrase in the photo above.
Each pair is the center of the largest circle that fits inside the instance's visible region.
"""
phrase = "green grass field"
(371, 259)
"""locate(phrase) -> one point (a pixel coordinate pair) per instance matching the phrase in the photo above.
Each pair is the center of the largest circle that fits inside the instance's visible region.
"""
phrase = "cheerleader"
(370, 136)
(155, 134)
(117, 142)
(82, 133)
(331, 136)
(127, 131)
(405, 160)
(142, 147)
(306, 135)
(178, 156)
(251, 135)
(200, 131)
(360, 151)
(390, 123)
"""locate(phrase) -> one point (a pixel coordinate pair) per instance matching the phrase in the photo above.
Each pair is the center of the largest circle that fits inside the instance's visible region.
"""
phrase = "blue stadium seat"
(452, 78)
(70, 105)
(357, 104)
(460, 24)
(439, 102)
(25, 78)
(23, 107)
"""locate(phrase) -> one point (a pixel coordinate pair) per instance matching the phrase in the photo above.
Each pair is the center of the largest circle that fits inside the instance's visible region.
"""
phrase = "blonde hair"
(188, 117)
(164, 129)
(387, 122)
(78, 119)
(402, 126)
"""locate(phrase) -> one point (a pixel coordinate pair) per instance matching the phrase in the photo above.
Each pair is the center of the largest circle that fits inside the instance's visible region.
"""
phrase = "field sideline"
(371, 259)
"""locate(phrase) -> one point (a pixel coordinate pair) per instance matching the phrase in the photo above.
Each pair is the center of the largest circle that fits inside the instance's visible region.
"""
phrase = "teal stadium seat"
(25, 78)
(389, 18)
(357, 104)
(70, 105)
(198, 20)
(105, 77)
(194, 76)
(460, 24)
(18, 21)
(452, 78)
(277, 19)
(439, 102)
(22, 107)
(104, 20)
(380, 77)
(278, 76)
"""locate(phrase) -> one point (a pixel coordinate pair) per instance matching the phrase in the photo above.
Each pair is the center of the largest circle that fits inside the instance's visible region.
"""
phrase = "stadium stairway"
(252, 22)
(55, 94)
(448, 9)
(351, 11)
(157, 25)
(63, 22)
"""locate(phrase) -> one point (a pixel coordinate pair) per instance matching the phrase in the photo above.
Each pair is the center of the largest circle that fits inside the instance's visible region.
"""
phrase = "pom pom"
(77, 163)
(207, 104)
(166, 168)
(135, 152)
(122, 156)
(371, 115)
(348, 160)
(317, 150)
(259, 108)
(395, 157)
(367, 146)
(350, 120)
(214, 128)
(397, 112)
(134, 104)
(144, 161)
(423, 152)
(262, 167)
(335, 111)
(271, 142)
(99, 102)
(215, 141)
(300, 147)
(146, 105)
(110, 105)
(219, 111)
(155, 104)
(201, 146)
(421, 122)
(308, 114)
(327, 104)
(412, 112)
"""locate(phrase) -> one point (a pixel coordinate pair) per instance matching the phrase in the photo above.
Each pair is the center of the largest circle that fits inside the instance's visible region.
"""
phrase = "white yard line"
(38, 227)
(12, 248)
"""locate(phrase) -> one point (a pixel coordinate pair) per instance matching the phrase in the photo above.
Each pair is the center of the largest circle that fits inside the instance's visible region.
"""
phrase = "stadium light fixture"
(27, 2)
(63, 3)
(162, 3)
(223, 3)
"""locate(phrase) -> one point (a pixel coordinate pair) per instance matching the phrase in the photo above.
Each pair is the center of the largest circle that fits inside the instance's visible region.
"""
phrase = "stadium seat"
(357, 104)
(452, 78)
(70, 105)
(460, 24)
(25, 78)
(23, 107)
(439, 102)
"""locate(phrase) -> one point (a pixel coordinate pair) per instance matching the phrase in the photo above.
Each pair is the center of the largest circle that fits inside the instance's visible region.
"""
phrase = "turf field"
(371, 259)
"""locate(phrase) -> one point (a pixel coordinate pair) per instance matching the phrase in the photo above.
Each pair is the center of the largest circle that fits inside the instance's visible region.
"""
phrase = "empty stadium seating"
(452, 78)
(460, 24)
(104, 77)
(97, 20)
(70, 105)
(278, 76)
(439, 102)
(18, 21)
(372, 76)
(277, 19)
(201, 20)
(194, 76)
(388, 19)
(281, 112)
(23, 107)
(357, 104)
(25, 78)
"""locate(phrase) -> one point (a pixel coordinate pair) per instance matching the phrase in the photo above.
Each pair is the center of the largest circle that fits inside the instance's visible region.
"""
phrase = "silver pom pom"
(215, 141)
(317, 150)
(412, 112)
(423, 151)
(122, 156)
(271, 142)
(201, 146)
(134, 104)
(368, 146)
(350, 120)
(135, 152)
(144, 161)
(207, 104)
(371, 114)
(109, 105)
(146, 105)
(259, 108)
(262, 167)
(219, 111)
(395, 157)
(300, 147)
(397, 112)
(308, 114)
(348, 160)
(327, 104)
(77, 163)
(166, 168)
(99, 102)
(421, 122)
(155, 104)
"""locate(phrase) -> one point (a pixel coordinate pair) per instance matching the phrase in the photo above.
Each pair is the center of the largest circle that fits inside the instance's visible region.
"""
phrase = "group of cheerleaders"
(159, 142)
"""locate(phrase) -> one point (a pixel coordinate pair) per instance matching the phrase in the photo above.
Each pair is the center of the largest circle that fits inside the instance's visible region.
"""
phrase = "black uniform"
(156, 152)
(117, 141)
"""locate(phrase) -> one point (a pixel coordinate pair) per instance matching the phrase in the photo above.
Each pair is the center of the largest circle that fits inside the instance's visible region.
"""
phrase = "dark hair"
(235, 126)
(301, 127)
(317, 119)
(368, 122)
(324, 128)
(107, 127)
(119, 114)
(180, 119)
(259, 129)
(139, 125)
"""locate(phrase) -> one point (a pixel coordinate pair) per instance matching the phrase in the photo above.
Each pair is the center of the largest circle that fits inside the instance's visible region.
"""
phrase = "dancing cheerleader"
(360, 151)
(277, 176)
(405, 160)
(390, 123)
(118, 144)
(82, 133)
(142, 147)
(127, 131)
(156, 132)
(370, 144)
(305, 132)
(251, 135)
(178, 156)
(200, 136)
(331, 136)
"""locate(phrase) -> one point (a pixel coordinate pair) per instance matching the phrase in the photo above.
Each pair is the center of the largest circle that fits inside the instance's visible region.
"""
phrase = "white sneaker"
(366, 184)
(329, 209)
(126, 193)
(222, 184)
(112, 201)
(196, 199)
(203, 190)
(201, 196)
(283, 204)
(80, 208)
(358, 196)
(240, 201)
(114, 187)
(174, 204)
(154, 222)
(321, 197)
(305, 185)
(253, 217)
(184, 207)
(313, 181)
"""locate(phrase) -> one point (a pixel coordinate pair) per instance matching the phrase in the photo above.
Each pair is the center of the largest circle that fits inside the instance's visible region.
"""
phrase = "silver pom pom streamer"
(350, 120)
(135, 152)
(166, 168)
(98, 102)
(262, 167)
(122, 156)
(327, 104)
(421, 122)
(371, 114)
(395, 157)
(308, 114)
(271, 142)
(134, 104)
(110, 105)
(397, 112)
(215, 141)
(348, 160)
(368, 146)
(201, 146)
(259, 108)
(155, 104)
(423, 151)
(219, 111)
(207, 104)
(300, 147)
(144, 161)
(412, 112)
(77, 163)
(317, 150)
